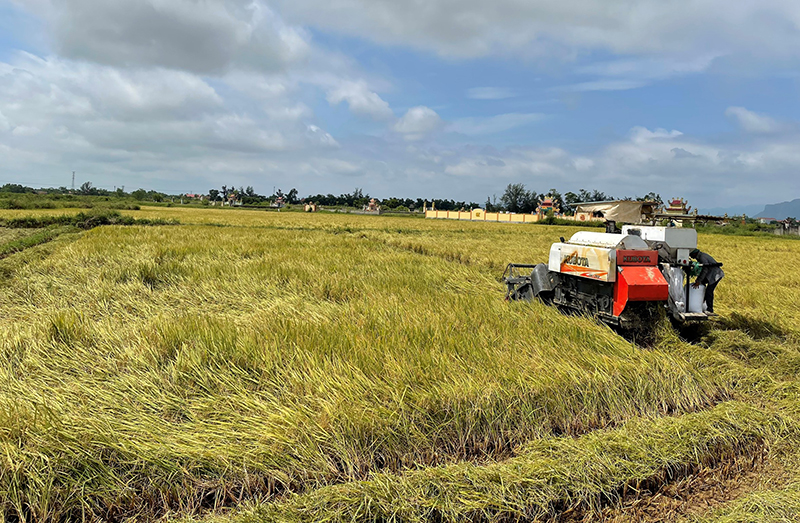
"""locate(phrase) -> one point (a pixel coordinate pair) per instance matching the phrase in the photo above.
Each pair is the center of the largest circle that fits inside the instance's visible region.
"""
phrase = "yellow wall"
(481, 215)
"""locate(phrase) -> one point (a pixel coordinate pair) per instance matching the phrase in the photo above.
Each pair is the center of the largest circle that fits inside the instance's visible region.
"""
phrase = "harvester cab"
(622, 279)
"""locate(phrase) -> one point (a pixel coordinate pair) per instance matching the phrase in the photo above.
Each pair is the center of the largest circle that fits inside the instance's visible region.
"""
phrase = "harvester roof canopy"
(627, 211)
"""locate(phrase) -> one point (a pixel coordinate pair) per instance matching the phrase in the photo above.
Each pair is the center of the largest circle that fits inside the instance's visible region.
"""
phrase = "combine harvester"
(622, 279)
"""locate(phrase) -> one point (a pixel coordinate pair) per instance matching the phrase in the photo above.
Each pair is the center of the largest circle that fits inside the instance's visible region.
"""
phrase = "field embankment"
(363, 368)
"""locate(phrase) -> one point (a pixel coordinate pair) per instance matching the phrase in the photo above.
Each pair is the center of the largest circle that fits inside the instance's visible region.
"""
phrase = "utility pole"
(73, 181)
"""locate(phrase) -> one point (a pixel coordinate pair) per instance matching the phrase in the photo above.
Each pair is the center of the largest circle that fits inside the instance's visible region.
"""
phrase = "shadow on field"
(694, 333)
(757, 329)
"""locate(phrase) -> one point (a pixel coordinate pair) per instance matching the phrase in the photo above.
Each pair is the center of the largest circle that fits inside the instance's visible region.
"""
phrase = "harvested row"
(548, 477)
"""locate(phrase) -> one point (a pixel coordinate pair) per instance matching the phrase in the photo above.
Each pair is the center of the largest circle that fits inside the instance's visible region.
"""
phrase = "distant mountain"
(733, 210)
(781, 211)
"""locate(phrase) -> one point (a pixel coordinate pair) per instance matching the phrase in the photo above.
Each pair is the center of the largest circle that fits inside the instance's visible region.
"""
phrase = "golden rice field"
(249, 366)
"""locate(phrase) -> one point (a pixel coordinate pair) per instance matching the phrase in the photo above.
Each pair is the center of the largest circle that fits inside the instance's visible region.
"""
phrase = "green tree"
(518, 199)
(15, 188)
(652, 197)
(86, 188)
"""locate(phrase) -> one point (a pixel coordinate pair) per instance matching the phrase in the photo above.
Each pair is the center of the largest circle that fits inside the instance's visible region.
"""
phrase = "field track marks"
(407, 245)
(558, 478)
(692, 493)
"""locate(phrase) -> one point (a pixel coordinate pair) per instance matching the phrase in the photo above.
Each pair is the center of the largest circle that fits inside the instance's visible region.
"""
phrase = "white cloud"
(25, 130)
(532, 164)
(493, 124)
(241, 133)
(583, 164)
(417, 122)
(624, 74)
(78, 91)
(360, 99)
(338, 166)
(206, 37)
(164, 93)
(144, 127)
(283, 111)
(490, 93)
(661, 67)
(320, 136)
(258, 86)
(642, 134)
(753, 122)
(542, 28)
(665, 162)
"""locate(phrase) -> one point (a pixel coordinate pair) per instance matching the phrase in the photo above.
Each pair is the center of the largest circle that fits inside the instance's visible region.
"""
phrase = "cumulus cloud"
(320, 136)
(527, 163)
(201, 36)
(647, 160)
(544, 28)
(643, 134)
(418, 122)
(683, 153)
(583, 164)
(753, 122)
(38, 91)
(150, 127)
(161, 93)
(360, 99)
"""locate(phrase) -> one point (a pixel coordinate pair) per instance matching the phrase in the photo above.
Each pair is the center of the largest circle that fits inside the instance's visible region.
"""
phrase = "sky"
(410, 98)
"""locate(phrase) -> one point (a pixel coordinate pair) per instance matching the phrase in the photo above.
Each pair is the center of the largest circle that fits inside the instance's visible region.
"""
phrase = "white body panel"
(554, 261)
(586, 261)
(609, 241)
(675, 237)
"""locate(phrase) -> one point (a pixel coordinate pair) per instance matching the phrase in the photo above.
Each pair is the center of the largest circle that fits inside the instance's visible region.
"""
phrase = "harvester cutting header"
(622, 279)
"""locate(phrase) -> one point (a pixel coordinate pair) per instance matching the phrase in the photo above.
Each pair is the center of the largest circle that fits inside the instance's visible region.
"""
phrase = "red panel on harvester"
(638, 284)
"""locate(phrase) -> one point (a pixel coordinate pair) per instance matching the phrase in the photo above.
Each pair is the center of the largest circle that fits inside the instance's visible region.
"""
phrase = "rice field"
(261, 366)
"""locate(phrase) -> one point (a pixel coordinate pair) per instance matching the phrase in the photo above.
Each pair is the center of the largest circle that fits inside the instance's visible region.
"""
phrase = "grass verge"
(38, 238)
(83, 220)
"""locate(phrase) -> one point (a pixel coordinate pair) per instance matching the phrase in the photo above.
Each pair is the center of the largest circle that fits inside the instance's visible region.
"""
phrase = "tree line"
(515, 198)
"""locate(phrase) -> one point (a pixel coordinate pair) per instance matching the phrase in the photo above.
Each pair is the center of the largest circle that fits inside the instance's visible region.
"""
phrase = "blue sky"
(435, 99)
